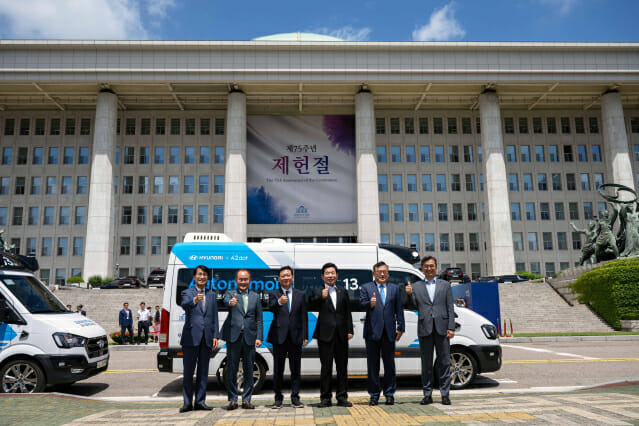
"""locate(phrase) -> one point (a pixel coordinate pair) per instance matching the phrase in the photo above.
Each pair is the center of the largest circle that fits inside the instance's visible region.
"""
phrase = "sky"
(364, 20)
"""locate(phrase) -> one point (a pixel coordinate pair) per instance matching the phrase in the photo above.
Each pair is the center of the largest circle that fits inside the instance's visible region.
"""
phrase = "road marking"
(567, 360)
(138, 370)
(506, 381)
(528, 348)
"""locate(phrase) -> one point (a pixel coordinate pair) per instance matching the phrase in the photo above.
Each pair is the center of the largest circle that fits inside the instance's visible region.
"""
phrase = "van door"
(11, 323)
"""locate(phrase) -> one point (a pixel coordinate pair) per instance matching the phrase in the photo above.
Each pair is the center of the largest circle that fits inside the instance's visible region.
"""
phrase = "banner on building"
(301, 169)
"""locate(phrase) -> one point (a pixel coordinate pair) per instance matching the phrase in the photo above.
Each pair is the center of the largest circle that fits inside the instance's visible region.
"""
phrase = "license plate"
(102, 363)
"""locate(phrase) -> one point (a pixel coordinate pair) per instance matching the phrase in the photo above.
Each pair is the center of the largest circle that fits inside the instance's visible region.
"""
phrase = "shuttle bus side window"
(401, 278)
(350, 279)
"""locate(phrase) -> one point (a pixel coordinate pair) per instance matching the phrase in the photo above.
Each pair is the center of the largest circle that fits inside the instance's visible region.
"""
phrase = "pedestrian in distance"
(143, 317)
(199, 338)
(433, 299)
(288, 333)
(242, 331)
(156, 324)
(383, 326)
(81, 311)
(333, 331)
(125, 319)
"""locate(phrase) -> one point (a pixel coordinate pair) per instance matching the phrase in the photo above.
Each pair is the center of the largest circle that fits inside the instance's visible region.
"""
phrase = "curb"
(629, 337)
(135, 347)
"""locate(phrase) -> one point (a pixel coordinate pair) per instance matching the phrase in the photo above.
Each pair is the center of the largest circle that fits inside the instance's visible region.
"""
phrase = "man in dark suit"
(433, 299)
(242, 331)
(333, 331)
(81, 311)
(384, 325)
(288, 333)
(199, 338)
(125, 319)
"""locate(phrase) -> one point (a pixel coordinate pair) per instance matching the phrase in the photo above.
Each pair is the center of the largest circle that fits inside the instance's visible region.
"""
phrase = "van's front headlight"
(68, 340)
(490, 331)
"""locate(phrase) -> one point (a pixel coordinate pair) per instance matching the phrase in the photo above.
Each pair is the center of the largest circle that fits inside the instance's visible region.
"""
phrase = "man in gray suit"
(433, 299)
(242, 331)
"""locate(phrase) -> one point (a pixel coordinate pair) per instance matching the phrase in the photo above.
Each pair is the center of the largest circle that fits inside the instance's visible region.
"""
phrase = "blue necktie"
(382, 293)
(288, 300)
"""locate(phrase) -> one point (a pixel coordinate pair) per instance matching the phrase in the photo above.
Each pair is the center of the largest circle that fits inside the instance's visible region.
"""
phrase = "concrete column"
(98, 251)
(501, 255)
(368, 228)
(235, 171)
(616, 140)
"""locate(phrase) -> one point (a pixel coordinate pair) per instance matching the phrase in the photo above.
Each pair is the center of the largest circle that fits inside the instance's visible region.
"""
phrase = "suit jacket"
(123, 320)
(285, 322)
(384, 317)
(332, 322)
(236, 320)
(199, 322)
(442, 309)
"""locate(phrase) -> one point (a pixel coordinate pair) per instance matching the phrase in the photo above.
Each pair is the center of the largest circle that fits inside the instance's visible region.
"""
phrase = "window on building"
(593, 125)
(596, 153)
(218, 184)
(568, 153)
(410, 154)
(527, 181)
(37, 155)
(426, 183)
(509, 126)
(187, 214)
(25, 126)
(411, 183)
(398, 212)
(412, 213)
(556, 182)
(470, 182)
(396, 154)
(157, 215)
(175, 126)
(439, 153)
(172, 211)
(530, 211)
(33, 215)
(579, 125)
(202, 214)
(525, 153)
(551, 125)
(189, 155)
(382, 183)
(515, 212)
(47, 244)
(588, 213)
(427, 209)
(414, 241)
(573, 211)
(188, 184)
(523, 125)
(471, 210)
(219, 126)
(546, 238)
(513, 182)
(5, 182)
(31, 249)
(54, 127)
(394, 126)
(442, 212)
(126, 215)
(537, 125)
(571, 184)
(438, 126)
(544, 211)
(562, 241)
(381, 154)
(542, 182)
(35, 185)
(130, 126)
(20, 185)
(203, 184)
(455, 182)
(457, 212)
(3, 216)
(553, 154)
(452, 125)
(158, 184)
(511, 156)
(532, 241)
(559, 211)
(466, 126)
(156, 245)
(158, 158)
(125, 246)
(585, 181)
(205, 155)
(468, 153)
(65, 187)
(48, 216)
(459, 241)
(429, 242)
(441, 183)
(598, 180)
(141, 215)
(53, 156)
(189, 126)
(409, 125)
(80, 215)
(518, 241)
(380, 125)
(174, 155)
(83, 156)
(219, 155)
(576, 240)
(23, 153)
(444, 244)
(453, 154)
(383, 212)
(127, 184)
(51, 184)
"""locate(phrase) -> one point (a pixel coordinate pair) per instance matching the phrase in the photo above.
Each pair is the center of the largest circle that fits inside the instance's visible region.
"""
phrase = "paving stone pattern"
(612, 406)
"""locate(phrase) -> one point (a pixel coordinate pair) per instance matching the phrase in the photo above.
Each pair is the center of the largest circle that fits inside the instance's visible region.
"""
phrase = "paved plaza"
(614, 405)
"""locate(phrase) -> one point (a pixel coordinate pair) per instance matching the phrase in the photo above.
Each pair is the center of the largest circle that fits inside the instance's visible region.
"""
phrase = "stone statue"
(588, 249)
(606, 244)
(629, 217)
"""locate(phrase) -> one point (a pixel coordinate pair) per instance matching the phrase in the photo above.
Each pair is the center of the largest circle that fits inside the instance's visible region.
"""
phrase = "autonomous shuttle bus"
(474, 349)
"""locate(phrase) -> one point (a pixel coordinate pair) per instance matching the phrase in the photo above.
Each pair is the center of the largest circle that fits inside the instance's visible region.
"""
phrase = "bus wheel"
(259, 375)
(22, 376)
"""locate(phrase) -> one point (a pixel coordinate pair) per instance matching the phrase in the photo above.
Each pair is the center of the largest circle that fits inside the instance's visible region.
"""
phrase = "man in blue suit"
(199, 338)
(125, 320)
(288, 333)
(242, 331)
(384, 325)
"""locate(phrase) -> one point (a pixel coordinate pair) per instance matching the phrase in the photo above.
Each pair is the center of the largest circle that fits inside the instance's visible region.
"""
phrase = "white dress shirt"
(430, 287)
(144, 315)
(332, 293)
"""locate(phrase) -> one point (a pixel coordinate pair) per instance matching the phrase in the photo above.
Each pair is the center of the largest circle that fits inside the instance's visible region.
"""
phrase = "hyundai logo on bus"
(231, 284)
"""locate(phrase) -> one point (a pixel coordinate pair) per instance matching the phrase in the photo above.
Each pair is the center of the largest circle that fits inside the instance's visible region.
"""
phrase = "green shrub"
(630, 316)
(612, 289)
(95, 281)
(529, 275)
(75, 280)
(107, 280)
(116, 340)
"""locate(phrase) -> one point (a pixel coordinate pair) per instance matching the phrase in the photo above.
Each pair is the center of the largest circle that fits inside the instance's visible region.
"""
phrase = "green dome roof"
(297, 37)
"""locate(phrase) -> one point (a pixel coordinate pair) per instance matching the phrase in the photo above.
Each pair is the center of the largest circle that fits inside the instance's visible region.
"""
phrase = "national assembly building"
(478, 153)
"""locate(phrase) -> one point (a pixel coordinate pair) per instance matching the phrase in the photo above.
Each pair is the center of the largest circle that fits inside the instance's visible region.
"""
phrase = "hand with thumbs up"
(233, 301)
(409, 289)
(324, 293)
(200, 297)
(373, 300)
(283, 300)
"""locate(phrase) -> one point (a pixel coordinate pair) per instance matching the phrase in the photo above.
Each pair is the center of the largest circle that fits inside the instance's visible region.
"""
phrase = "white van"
(474, 349)
(41, 342)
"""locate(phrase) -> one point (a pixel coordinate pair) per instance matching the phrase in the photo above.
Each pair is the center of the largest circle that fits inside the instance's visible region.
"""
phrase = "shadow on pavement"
(80, 389)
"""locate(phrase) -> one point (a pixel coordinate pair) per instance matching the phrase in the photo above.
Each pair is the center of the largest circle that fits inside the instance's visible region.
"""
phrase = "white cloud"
(562, 6)
(157, 8)
(347, 33)
(441, 26)
(77, 19)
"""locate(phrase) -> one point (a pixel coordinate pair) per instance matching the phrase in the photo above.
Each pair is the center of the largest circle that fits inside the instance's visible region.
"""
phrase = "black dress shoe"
(248, 406)
(277, 405)
(344, 403)
(297, 403)
(325, 403)
(202, 407)
(390, 400)
(372, 401)
(427, 400)
(445, 400)
(185, 408)
(232, 406)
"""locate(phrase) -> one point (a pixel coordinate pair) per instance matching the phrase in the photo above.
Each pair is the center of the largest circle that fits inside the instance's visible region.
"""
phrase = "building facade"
(481, 153)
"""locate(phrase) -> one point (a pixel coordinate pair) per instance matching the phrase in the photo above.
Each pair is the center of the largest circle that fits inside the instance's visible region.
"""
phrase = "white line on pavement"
(528, 348)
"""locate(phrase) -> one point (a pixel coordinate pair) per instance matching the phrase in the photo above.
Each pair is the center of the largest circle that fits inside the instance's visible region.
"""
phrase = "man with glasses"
(384, 325)
(433, 299)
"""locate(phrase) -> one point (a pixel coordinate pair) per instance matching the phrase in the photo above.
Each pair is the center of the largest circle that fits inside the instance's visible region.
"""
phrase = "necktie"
(382, 293)
(244, 300)
(288, 302)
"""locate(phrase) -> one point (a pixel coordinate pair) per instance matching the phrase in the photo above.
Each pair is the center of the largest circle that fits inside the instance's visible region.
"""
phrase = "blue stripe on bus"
(218, 255)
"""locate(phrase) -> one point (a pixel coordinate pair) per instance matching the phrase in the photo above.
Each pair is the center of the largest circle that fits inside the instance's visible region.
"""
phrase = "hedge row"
(612, 290)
